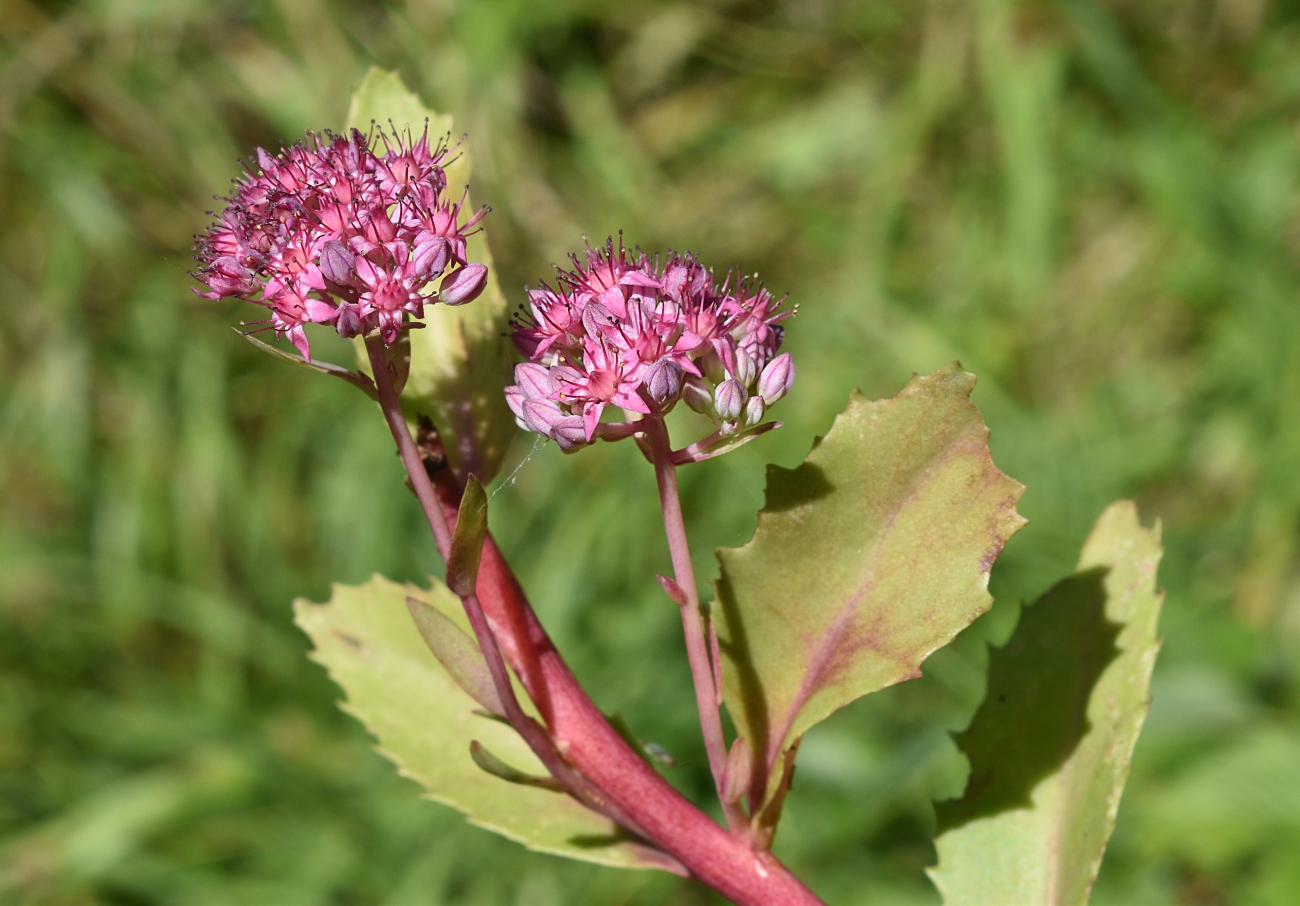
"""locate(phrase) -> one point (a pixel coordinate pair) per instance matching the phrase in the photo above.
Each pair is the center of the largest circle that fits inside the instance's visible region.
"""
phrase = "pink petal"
(298, 337)
(591, 418)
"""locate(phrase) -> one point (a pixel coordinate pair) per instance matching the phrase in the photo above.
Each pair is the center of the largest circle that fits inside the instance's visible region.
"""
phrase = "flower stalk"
(646, 804)
(703, 668)
(339, 231)
(533, 734)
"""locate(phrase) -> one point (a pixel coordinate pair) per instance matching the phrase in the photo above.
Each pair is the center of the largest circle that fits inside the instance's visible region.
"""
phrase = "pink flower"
(334, 231)
(622, 330)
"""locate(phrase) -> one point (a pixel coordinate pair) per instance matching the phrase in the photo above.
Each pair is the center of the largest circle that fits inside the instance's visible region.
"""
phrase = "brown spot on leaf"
(352, 641)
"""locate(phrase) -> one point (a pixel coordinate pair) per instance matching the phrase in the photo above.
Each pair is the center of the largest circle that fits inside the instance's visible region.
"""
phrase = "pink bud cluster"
(331, 231)
(627, 331)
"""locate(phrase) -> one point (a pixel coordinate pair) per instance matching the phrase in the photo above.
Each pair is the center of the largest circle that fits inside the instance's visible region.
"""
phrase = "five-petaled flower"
(623, 330)
(334, 231)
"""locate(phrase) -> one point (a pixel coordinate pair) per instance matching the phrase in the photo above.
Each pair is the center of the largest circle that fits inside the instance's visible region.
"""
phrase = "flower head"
(344, 230)
(623, 330)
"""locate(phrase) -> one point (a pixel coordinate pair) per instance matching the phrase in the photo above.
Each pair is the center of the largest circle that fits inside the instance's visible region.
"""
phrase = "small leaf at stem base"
(498, 768)
(467, 540)
(458, 653)
(672, 589)
(397, 359)
(735, 777)
(770, 815)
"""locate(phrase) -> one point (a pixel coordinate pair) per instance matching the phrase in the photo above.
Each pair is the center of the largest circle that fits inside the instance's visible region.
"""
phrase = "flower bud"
(663, 381)
(754, 411)
(542, 416)
(227, 277)
(515, 399)
(569, 433)
(336, 261)
(697, 397)
(729, 400)
(711, 364)
(534, 381)
(777, 378)
(431, 255)
(464, 285)
(349, 321)
(745, 369)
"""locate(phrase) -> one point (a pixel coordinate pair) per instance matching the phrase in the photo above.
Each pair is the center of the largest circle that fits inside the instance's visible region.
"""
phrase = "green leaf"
(425, 722)
(382, 99)
(462, 359)
(1050, 746)
(467, 540)
(458, 653)
(868, 557)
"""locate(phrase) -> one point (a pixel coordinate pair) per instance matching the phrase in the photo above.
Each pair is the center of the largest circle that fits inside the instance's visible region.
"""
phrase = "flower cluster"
(331, 231)
(621, 329)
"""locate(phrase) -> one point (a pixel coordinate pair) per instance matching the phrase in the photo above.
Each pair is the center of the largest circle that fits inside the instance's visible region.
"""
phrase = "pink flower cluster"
(623, 330)
(330, 231)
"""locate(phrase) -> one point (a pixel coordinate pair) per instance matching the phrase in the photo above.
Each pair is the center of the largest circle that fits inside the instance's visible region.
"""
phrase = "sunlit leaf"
(424, 722)
(457, 652)
(461, 360)
(868, 557)
(1051, 745)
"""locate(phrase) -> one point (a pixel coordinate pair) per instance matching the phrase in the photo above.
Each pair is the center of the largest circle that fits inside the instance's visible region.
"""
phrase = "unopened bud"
(534, 380)
(711, 364)
(569, 433)
(227, 277)
(729, 400)
(349, 322)
(464, 285)
(745, 369)
(336, 261)
(754, 411)
(664, 381)
(697, 397)
(431, 255)
(515, 399)
(777, 378)
(542, 415)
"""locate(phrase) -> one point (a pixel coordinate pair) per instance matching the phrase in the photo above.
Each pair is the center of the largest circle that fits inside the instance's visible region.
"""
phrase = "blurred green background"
(1091, 203)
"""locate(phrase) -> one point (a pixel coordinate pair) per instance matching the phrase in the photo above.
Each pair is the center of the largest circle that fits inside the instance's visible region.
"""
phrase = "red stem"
(590, 744)
(697, 642)
(533, 734)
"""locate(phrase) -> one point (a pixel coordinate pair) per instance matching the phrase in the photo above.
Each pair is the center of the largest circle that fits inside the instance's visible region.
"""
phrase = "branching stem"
(635, 796)
(537, 738)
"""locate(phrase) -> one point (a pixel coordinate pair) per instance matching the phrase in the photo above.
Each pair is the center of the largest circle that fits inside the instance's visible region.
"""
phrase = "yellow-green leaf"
(868, 557)
(1050, 746)
(461, 360)
(424, 722)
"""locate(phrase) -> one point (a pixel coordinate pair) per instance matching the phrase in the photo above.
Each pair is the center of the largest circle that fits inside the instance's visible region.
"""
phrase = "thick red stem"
(588, 742)
(723, 861)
